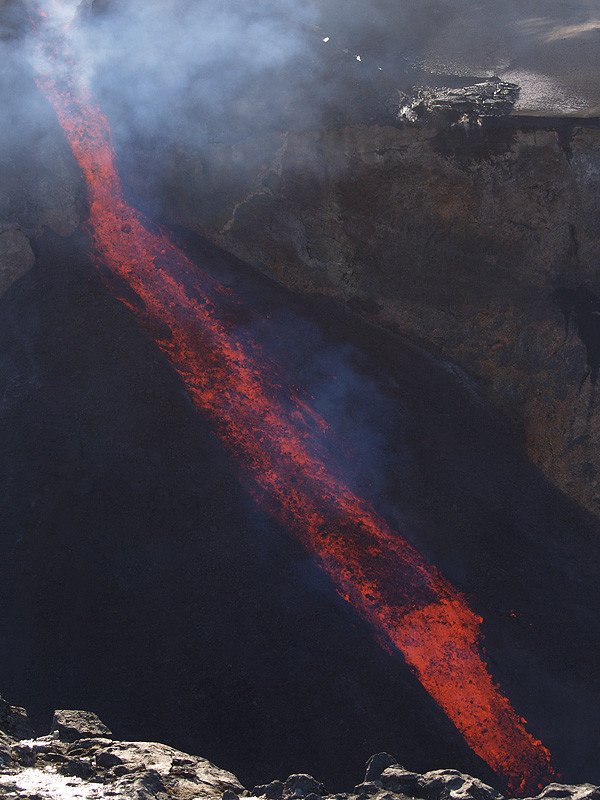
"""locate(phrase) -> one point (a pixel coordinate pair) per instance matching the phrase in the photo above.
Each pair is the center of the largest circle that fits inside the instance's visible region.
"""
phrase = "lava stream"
(285, 448)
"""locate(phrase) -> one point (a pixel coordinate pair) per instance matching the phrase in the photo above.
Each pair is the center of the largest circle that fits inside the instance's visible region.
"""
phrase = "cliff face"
(456, 238)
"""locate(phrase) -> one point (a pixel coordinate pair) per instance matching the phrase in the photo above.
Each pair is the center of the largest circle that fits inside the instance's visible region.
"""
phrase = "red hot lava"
(285, 448)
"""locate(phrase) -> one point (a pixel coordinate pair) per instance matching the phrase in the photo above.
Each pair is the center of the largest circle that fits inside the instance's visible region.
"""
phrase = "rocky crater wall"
(457, 238)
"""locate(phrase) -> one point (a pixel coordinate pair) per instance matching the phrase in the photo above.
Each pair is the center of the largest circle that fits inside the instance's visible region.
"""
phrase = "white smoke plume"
(230, 69)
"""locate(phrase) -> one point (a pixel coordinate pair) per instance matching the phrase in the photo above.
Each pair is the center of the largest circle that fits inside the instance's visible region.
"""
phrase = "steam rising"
(177, 70)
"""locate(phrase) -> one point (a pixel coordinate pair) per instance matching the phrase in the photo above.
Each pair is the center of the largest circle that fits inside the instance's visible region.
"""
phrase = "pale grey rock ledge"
(79, 760)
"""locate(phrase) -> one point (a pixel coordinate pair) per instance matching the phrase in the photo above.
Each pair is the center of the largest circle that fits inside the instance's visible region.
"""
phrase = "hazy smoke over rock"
(176, 69)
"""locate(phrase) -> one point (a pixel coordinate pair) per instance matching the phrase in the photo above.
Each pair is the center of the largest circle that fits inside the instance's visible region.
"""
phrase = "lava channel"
(285, 448)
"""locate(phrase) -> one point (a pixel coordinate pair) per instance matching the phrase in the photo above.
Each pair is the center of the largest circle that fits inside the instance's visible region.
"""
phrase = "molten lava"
(286, 450)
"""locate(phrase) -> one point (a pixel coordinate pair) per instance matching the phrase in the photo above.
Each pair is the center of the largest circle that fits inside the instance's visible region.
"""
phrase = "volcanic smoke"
(286, 451)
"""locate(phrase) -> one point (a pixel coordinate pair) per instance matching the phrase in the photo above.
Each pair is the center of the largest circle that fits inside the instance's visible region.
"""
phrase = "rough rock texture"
(14, 721)
(469, 104)
(40, 183)
(73, 725)
(16, 256)
(49, 768)
(457, 239)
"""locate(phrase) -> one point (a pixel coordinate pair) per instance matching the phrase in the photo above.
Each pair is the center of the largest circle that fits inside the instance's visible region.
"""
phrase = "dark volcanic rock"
(376, 765)
(469, 104)
(77, 767)
(272, 790)
(6, 745)
(562, 791)
(452, 785)
(16, 256)
(367, 788)
(402, 781)
(151, 771)
(73, 725)
(300, 785)
(14, 721)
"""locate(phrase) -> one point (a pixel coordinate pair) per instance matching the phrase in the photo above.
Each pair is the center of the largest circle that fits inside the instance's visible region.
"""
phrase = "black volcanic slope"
(138, 579)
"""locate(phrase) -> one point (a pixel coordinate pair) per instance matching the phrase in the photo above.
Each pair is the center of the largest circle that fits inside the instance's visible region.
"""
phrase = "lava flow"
(285, 449)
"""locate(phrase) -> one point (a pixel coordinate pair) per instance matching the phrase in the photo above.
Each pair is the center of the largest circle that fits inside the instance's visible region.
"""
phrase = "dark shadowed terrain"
(137, 578)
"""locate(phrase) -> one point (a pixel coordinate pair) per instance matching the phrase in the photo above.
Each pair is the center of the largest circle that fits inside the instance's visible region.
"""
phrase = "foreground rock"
(69, 763)
(73, 725)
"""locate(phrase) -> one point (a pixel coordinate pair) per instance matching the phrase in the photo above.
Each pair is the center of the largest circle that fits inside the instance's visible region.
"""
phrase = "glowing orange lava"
(283, 447)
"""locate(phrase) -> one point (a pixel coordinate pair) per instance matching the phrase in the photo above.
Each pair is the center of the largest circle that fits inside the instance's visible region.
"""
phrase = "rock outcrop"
(470, 104)
(79, 759)
(456, 238)
(73, 725)
(40, 184)
(81, 767)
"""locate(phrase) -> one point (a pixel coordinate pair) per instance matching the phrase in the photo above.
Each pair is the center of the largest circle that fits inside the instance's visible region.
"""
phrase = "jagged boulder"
(272, 790)
(402, 781)
(300, 785)
(377, 764)
(14, 721)
(73, 725)
(453, 785)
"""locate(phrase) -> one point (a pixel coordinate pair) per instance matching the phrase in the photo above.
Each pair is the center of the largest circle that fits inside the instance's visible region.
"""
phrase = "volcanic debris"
(491, 98)
(80, 760)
